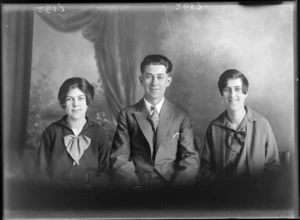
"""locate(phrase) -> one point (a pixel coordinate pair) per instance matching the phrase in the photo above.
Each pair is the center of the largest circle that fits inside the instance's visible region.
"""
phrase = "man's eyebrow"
(68, 96)
(233, 86)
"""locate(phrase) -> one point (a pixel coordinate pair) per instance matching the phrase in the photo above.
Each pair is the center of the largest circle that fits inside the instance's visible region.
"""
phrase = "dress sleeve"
(43, 158)
(102, 179)
(103, 153)
(272, 162)
(207, 170)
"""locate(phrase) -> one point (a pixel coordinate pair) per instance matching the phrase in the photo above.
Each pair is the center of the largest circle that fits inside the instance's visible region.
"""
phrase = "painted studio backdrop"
(106, 44)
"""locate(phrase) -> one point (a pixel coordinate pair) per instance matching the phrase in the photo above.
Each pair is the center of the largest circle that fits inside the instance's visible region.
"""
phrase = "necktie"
(76, 146)
(154, 117)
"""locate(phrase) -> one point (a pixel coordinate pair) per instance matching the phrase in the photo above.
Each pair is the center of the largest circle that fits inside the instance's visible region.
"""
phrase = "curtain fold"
(122, 38)
(71, 19)
(17, 32)
(118, 37)
(118, 53)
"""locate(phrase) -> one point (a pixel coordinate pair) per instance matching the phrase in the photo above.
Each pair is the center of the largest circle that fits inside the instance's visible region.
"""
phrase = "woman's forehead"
(75, 92)
(234, 82)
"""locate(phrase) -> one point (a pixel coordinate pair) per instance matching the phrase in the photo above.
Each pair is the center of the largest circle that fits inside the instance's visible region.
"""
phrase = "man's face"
(233, 95)
(155, 81)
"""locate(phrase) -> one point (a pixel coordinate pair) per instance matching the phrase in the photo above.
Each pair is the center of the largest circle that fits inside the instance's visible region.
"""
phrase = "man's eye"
(238, 89)
(160, 77)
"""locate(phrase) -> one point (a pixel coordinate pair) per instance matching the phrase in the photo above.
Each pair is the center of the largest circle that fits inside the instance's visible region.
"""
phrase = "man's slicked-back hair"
(232, 74)
(76, 82)
(156, 59)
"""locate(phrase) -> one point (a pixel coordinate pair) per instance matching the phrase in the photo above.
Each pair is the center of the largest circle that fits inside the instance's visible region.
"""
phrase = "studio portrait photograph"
(150, 110)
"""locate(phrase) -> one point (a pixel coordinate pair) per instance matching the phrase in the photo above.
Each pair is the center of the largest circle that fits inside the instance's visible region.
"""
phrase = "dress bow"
(233, 137)
(76, 145)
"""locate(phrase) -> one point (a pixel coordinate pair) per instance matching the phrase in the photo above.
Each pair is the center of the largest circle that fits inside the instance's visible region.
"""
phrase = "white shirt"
(158, 105)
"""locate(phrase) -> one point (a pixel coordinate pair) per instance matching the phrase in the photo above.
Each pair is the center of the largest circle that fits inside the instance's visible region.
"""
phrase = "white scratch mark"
(167, 20)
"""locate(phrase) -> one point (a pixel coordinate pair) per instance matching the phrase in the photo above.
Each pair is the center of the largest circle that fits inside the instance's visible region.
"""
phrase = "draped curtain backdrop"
(17, 32)
(121, 40)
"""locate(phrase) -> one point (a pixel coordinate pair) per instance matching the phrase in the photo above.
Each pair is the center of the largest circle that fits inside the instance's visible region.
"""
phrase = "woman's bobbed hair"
(76, 82)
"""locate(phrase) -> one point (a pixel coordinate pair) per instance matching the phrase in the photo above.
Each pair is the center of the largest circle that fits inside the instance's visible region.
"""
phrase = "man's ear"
(141, 78)
(169, 80)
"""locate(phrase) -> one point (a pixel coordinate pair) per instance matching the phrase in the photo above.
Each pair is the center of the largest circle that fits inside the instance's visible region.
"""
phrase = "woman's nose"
(75, 102)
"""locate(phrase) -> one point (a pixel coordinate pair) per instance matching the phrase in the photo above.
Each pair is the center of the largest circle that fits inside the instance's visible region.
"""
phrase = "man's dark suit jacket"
(175, 156)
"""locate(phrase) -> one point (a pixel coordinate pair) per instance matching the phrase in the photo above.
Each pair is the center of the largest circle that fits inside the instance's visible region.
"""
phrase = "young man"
(153, 144)
(240, 142)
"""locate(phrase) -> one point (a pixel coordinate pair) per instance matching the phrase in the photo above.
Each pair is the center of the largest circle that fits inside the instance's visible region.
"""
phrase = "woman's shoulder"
(56, 125)
(95, 126)
(253, 115)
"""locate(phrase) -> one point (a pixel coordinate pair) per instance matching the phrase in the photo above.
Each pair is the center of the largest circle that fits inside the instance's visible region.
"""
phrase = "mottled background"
(202, 41)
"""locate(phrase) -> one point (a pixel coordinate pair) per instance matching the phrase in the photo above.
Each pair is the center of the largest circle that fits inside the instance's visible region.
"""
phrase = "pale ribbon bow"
(76, 145)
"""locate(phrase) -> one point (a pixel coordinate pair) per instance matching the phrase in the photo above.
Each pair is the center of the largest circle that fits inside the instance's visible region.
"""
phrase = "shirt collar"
(158, 105)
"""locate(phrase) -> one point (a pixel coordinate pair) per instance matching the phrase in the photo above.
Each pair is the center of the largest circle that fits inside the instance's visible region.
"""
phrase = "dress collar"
(223, 121)
(63, 122)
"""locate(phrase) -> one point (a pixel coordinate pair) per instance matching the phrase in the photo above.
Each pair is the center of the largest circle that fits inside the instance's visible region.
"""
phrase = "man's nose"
(232, 92)
(154, 80)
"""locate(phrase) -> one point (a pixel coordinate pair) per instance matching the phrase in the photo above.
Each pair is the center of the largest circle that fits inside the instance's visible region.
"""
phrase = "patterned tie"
(154, 118)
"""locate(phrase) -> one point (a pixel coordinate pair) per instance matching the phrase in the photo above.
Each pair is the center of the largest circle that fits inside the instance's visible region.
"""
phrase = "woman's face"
(233, 95)
(76, 105)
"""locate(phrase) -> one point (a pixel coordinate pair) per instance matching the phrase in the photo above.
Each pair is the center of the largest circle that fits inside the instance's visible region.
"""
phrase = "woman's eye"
(226, 90)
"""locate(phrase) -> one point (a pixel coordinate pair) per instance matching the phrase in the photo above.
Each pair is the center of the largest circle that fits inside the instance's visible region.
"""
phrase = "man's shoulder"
(175, 107)
(131, 108)
(170, 105)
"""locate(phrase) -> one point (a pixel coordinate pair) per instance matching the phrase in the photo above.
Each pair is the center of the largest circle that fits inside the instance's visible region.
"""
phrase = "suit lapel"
(165, 120)
(141, 115)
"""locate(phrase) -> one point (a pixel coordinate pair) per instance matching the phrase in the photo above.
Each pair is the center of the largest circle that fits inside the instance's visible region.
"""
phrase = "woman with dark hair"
(74, 150)
(240, 142)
